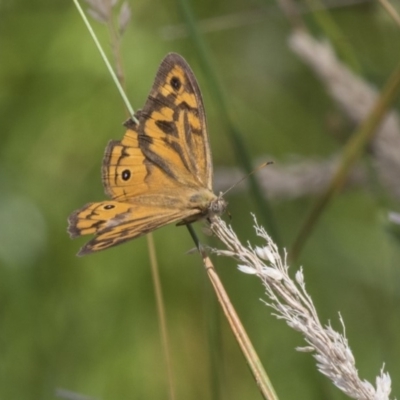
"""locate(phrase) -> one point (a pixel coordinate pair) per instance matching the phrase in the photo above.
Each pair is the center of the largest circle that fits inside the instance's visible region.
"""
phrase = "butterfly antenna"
(246, 176)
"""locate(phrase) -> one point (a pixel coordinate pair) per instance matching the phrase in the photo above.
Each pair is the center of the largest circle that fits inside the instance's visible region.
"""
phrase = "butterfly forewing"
(173, 125)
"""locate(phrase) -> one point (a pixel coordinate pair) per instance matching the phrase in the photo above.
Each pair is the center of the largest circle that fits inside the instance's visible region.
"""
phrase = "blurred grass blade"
(391, 11)
(334, 34)
(161, 314)
(235, 135)
(319, 11)
(350, 154)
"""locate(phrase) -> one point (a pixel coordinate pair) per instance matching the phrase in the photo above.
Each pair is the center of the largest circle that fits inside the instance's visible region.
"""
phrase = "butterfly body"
(160, 172)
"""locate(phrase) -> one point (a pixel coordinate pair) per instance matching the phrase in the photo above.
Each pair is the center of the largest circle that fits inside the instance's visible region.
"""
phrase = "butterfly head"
(217, 206)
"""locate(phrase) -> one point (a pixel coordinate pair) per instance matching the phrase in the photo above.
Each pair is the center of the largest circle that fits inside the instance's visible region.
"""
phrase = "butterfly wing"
(169, 148)
(114, 222)
(160, 172)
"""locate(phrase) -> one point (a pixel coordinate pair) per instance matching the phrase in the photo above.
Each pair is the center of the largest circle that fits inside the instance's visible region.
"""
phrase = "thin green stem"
(105, 59)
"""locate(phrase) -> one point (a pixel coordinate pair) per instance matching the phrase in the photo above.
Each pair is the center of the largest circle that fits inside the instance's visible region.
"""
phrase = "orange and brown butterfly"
(160, 172)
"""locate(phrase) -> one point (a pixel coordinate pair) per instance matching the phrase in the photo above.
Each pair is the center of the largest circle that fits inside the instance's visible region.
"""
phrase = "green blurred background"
(89, 325)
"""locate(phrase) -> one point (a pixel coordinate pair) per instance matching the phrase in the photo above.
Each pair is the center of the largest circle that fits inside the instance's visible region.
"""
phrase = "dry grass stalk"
(291, 302)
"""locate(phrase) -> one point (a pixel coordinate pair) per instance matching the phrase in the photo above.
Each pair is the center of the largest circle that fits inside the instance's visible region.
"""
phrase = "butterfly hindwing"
(114, 222)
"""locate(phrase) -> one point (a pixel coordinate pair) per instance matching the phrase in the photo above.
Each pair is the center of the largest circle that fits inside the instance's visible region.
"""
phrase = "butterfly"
(160, 172)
